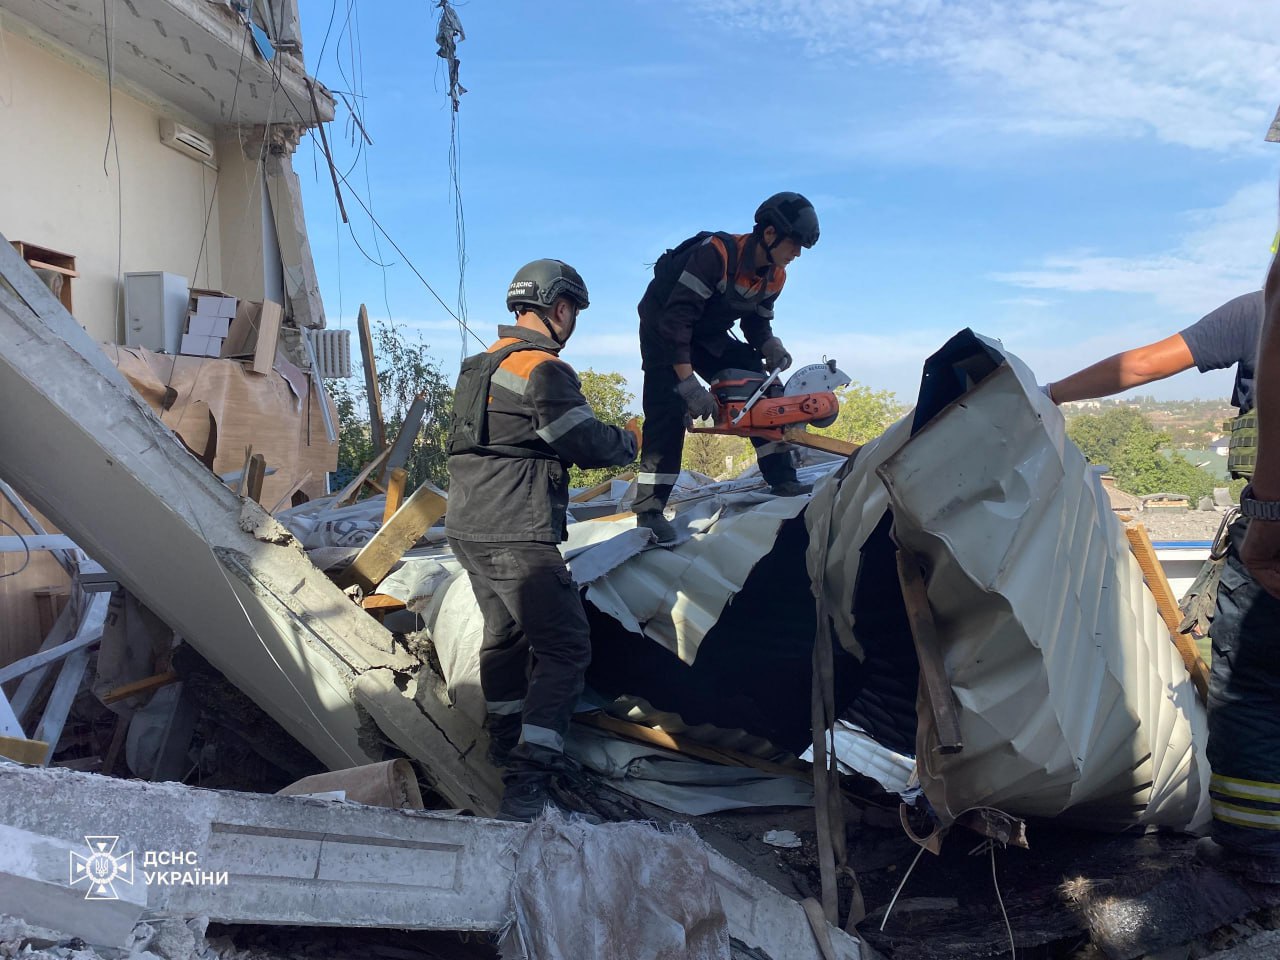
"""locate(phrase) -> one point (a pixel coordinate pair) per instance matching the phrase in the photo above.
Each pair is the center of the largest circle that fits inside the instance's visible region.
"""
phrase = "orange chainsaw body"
(767, 417)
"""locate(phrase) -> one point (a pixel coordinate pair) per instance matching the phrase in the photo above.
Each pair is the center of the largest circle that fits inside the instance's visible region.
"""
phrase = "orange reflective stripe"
(504, 342)
(522, 362)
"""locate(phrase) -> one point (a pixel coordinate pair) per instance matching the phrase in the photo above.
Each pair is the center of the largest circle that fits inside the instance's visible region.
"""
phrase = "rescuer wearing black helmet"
(700, 288)
(519, 422)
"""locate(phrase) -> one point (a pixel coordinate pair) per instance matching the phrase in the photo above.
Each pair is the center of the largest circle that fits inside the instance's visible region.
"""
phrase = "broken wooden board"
(402, 531)
(371, 388)
(1167, 604)
(933, 672)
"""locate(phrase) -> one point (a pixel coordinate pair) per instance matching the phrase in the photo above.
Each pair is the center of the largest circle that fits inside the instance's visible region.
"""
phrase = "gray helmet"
(538, 284)
(791, 215)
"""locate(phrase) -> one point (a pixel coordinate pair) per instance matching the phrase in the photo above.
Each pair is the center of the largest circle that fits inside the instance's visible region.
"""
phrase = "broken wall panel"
(1073, 700)
(221, 407)
(84, 448)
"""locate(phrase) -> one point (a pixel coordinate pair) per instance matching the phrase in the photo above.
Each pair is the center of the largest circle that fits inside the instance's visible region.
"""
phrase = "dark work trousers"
(664, 421)
(536, 642)
(1244, 711)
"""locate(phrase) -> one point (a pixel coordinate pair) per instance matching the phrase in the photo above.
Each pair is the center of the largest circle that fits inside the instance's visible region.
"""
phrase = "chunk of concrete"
(70, 887)
(254, 858)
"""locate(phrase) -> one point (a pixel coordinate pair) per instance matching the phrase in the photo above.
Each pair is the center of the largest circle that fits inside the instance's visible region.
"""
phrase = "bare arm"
(1125, 370)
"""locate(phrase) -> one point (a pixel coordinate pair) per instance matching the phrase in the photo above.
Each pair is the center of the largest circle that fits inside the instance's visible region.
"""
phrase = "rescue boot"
(790, 488)
(527, 782)
(663, 531)
(504, 734)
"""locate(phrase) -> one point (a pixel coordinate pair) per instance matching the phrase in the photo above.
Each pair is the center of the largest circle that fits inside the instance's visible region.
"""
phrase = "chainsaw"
(751, 404)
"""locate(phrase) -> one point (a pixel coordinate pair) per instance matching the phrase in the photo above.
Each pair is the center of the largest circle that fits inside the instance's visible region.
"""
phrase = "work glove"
(697, 399)
(633, 427)
(775, 355)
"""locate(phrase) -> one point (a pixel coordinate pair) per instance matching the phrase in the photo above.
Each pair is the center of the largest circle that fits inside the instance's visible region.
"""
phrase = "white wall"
(53, 191)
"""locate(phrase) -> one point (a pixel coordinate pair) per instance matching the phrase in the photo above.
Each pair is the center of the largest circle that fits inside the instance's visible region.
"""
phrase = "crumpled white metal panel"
(675, 596)
(1073, 699)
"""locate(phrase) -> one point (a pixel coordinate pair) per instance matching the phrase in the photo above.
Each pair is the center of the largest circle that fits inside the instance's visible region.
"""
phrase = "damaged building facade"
(955, 611)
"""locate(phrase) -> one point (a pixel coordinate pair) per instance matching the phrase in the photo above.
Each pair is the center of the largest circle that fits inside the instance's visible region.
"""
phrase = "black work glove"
(697, 400)
(775, 355)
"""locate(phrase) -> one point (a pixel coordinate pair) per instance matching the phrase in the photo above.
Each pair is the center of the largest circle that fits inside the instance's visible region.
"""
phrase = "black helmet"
(791, 215)
(537, 285)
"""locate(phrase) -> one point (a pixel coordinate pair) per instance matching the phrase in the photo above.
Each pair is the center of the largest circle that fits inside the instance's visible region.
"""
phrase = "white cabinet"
(155, 310)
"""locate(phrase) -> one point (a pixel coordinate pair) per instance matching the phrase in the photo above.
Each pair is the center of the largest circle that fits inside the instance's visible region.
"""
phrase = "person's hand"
(1260, 553)
(775, 355)
(633, 427)
(697, 399)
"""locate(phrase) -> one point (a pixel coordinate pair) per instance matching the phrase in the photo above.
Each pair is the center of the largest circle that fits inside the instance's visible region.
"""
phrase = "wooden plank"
(145, 685)
(89, 632)
(244, 471)
(690, 748)
(372, 391)
(803, 438)
(380, 554)
(257, 473)
(30, 752)
(383, 602)
(582, 496)
(1167, 605)
(933, 672)
(395, 492)
(347, 495)
(264, 350)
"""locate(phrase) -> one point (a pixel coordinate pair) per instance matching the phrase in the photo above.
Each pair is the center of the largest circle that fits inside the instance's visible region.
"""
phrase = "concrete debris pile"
(340, 633)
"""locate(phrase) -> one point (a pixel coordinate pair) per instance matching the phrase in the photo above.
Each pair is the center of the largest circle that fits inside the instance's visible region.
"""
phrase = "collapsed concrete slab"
(86, 450)
(249, 858)
(69, 885)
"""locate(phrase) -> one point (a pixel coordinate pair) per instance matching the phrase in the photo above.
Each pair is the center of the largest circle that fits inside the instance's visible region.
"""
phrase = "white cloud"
(1204, 75)
(1223, 254)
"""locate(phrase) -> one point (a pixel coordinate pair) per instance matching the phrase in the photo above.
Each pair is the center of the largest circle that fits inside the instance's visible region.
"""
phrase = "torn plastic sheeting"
(1072, 697)
(621, 890)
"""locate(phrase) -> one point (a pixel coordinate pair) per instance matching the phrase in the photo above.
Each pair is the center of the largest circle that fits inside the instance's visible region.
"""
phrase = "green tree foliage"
(405, 369)
(864, 413)
(1137, 454)
(609, 399)
(716, 455)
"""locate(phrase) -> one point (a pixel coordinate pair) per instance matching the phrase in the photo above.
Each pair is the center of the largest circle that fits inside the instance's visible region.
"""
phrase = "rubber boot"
(663, 531)
(527, 782)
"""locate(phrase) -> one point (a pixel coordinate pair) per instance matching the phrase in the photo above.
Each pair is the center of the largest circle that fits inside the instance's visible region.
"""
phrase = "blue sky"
(1073, 177)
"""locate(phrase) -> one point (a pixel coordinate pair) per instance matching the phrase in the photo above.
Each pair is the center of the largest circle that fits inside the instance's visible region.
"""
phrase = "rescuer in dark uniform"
(699, 290)
(520, 421)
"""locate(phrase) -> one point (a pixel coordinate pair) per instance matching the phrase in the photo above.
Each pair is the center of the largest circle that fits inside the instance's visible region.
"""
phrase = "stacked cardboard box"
(208, 325)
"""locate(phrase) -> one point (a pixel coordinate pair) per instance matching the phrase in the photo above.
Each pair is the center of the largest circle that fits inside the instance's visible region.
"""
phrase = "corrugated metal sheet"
(1073, 699)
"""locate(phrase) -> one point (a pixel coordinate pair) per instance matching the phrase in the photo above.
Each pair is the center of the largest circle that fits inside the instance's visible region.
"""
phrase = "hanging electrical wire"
(448, 34)
(381, 229)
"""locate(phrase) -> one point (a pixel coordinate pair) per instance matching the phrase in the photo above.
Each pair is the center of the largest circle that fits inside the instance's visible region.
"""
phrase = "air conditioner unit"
(189, 142)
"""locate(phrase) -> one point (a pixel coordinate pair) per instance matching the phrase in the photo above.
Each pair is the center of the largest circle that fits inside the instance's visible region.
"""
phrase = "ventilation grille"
(333, 353)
